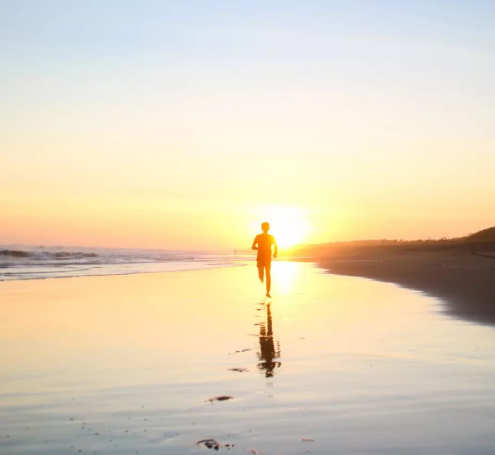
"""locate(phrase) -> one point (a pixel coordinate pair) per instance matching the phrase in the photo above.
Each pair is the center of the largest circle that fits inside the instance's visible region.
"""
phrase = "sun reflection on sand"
(284, 274)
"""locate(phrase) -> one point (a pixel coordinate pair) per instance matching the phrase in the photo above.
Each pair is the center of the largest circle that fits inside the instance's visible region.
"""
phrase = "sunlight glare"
(288, 225)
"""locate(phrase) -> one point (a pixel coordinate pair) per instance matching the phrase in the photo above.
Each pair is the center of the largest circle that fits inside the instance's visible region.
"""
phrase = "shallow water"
(333, 364)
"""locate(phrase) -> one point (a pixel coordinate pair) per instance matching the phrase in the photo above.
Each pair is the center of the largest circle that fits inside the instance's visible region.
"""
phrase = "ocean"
(18, 262)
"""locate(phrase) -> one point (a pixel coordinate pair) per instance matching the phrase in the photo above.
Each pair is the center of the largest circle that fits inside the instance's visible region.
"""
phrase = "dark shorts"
(264, 263)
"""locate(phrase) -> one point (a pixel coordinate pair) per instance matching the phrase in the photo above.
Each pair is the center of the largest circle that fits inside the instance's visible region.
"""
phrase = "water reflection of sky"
(359, 366)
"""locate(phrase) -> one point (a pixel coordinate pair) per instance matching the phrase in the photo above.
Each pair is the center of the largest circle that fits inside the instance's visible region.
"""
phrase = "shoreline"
(210, 266)
(463, 281)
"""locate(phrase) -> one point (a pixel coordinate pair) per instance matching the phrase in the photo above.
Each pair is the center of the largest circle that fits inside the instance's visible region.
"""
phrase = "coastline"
(465, 282)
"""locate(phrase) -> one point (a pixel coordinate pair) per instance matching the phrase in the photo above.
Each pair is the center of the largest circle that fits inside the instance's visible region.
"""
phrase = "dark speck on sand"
(220, 398)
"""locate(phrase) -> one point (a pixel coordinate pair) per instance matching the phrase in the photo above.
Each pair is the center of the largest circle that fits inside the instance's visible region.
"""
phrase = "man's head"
(265, 227)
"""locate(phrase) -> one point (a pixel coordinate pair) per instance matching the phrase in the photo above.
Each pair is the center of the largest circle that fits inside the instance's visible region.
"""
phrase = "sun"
(288, 225)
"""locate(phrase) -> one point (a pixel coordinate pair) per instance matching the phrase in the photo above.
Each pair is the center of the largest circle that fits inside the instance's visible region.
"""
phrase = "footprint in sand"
(213, 444)
(210, 443)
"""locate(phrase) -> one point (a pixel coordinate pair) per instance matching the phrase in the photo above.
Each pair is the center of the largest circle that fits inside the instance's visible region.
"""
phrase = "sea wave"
(46, 255)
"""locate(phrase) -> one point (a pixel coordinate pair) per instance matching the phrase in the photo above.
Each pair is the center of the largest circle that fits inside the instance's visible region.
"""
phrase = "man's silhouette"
(263, 244)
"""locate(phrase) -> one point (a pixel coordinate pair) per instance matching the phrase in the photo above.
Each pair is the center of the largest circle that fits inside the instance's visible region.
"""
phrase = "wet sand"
(188, 362)
(464, 281)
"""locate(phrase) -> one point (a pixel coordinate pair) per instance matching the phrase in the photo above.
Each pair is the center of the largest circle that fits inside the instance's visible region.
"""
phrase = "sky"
(185, 124)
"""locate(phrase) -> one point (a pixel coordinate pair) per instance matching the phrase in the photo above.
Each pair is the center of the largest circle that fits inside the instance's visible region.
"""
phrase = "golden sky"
(186, 124)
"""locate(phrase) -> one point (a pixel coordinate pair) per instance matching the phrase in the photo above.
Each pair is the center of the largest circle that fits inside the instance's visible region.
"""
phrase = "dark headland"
(460, 271)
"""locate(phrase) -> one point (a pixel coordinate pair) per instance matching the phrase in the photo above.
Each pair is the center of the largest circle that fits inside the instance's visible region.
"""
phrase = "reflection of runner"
(268, 352)
(263, 244)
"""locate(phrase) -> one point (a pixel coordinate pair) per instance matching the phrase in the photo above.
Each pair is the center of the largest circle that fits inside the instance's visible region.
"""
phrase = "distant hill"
(486, 235)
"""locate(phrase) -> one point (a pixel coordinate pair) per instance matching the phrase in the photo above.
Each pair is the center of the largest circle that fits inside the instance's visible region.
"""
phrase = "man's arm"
(254, 246)
(276, 248)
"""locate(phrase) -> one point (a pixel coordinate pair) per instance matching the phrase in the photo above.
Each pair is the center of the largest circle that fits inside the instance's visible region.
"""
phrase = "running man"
(263, 244)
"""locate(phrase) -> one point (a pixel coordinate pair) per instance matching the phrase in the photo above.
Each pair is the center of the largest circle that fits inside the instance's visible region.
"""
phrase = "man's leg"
(261, 270)
(268, 278)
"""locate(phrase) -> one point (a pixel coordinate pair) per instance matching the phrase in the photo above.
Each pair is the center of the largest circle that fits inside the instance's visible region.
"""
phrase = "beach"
(191, 361)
